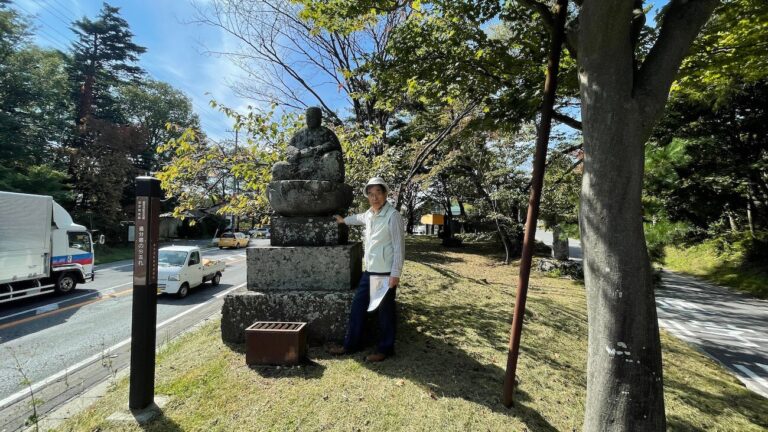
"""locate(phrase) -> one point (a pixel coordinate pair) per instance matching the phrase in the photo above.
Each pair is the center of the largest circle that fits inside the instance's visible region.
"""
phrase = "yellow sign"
(433, 219)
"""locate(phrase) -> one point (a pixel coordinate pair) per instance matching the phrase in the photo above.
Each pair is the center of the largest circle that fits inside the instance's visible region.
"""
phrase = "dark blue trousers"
(387, 321)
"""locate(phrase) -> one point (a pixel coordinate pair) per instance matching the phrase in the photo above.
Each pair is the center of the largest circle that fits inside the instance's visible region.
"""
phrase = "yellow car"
(233, 240)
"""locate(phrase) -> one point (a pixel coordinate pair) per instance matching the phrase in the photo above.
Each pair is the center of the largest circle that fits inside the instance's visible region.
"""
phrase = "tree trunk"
(624, 374)
(732, 222)
(560, 250)
(620, 103)
(410, 213)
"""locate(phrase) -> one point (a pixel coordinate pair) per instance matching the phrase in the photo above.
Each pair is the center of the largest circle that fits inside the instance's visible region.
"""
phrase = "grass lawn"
(447, 374)
(724, 269)
(106, 254)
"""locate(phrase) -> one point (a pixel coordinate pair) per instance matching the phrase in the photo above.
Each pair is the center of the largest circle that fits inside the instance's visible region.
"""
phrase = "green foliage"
(737, 261)
(709, 162)
(153, 106)
(33, 95)
(38, 179)
(661, 233)
(730, 52)
(562, 185)
(103, 58)
(225, 178)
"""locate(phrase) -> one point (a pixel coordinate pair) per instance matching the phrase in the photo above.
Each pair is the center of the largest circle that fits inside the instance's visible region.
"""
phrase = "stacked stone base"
(307, 284)
(307, 231)
(326, 312)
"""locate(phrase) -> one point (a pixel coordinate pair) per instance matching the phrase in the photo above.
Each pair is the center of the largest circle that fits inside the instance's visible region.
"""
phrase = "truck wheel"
(216, 279)
(183, 290)
(65, 283)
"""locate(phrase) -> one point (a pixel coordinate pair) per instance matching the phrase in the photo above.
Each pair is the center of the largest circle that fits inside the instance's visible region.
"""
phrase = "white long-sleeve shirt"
(380, 237)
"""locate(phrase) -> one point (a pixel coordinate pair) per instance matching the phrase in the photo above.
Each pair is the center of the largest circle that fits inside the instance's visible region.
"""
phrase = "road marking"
(680, 327)
(69, 299)
(2, 318)
(46, 308)
(765, 367)
(106, 294)
(58, 375)
(752, 375)
(59, 310)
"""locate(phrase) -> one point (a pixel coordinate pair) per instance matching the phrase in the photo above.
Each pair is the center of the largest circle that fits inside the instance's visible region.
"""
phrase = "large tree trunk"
(620, 104)
(624, 375)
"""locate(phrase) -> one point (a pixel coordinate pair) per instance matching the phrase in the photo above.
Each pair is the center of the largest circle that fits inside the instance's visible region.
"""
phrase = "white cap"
(376, 181)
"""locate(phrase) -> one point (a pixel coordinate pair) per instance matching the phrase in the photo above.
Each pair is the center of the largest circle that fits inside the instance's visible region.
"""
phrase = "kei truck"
(41, 249)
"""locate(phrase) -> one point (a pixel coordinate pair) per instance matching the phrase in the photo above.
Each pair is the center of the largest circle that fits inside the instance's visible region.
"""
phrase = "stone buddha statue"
(314, 153)
(311, 181)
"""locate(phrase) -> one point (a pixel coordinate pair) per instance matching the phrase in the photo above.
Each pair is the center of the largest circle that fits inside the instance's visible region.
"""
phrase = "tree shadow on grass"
(161, 423)
(445, 371)
(723, 395)
(307, 369)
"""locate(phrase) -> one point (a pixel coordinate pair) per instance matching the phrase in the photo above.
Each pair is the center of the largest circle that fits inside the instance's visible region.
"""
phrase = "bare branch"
(430, 147)
(566, 120)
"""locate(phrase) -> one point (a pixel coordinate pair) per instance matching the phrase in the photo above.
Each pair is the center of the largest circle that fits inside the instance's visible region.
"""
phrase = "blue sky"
(175, 48)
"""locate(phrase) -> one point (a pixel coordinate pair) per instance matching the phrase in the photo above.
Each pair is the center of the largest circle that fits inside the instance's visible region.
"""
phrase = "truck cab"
(41, 248)
(180, 268)
(72, 251)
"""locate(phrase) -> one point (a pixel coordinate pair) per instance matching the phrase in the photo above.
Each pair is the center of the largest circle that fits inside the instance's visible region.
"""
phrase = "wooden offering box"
(275, 343)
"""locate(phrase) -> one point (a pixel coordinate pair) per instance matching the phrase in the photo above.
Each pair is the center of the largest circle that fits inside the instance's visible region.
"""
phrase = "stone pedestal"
(322, 268)
(307, 231)
(306, 284)
(326, 312)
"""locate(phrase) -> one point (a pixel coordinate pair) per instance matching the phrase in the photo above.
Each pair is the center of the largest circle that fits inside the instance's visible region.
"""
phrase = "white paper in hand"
(378, 289)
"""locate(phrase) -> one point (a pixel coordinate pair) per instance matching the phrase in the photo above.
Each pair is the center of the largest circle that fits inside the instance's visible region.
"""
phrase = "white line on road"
(68, 299)
(680, 327)
(38, 385)
(46, 308)
(752, 375)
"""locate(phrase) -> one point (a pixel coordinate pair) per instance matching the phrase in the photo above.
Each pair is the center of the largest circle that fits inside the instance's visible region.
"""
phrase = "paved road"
(65, 344)
(731, 328)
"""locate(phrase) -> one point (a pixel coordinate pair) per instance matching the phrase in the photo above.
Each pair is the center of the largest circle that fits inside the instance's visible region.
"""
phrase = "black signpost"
(144, 316)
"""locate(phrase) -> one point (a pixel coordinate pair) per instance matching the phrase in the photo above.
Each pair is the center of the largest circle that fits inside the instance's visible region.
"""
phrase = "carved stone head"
(314, 117)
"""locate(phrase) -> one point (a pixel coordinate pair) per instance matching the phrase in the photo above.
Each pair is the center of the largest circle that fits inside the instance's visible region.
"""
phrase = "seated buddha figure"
(314, 153)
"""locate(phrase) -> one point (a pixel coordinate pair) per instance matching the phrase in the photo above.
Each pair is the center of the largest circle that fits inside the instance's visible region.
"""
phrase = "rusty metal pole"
(550, 88)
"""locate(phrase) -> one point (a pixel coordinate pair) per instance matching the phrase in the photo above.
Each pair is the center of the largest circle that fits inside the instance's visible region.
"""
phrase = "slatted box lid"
(275, 343)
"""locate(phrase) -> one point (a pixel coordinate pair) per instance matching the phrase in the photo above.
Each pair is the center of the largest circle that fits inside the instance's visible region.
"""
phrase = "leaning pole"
(550, 89)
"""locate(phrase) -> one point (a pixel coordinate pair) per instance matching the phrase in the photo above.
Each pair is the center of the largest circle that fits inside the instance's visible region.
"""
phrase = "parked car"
(233, 240)
(181, 268)
(260, 233)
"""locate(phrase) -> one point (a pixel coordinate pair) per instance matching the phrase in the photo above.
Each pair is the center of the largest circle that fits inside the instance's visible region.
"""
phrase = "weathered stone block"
(307, 231)
(325, 312)
(321, 268)
(309, 197)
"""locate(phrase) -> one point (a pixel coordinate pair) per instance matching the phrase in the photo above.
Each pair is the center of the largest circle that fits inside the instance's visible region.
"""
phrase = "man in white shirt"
(384, 256)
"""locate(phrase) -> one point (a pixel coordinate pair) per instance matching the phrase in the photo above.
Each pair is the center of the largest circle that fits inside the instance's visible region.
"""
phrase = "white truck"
(41, 249)
(181, 268)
